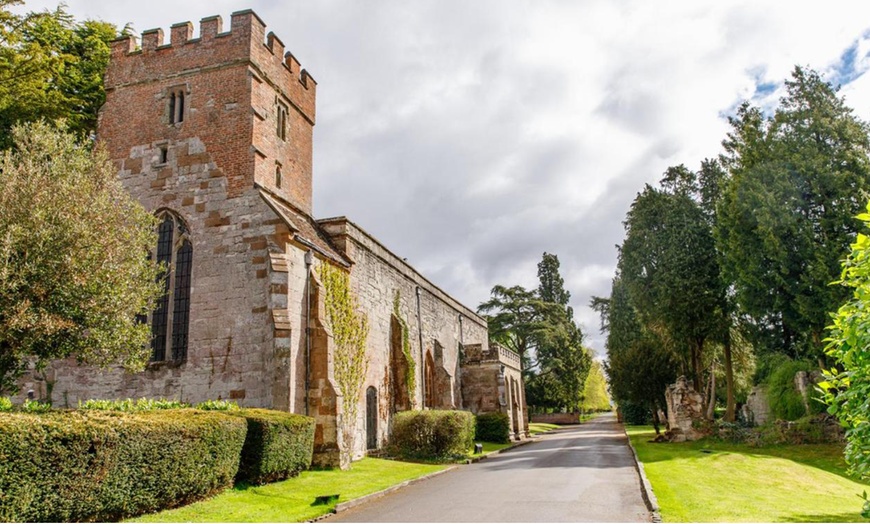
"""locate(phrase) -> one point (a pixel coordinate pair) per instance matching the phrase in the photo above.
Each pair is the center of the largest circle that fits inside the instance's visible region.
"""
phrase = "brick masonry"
(252, 287)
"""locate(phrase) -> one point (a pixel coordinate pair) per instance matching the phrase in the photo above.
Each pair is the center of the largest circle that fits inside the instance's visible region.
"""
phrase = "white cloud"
(473, 136)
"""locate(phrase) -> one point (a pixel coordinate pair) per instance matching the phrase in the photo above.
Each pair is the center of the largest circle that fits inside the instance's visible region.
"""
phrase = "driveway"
(582, 473)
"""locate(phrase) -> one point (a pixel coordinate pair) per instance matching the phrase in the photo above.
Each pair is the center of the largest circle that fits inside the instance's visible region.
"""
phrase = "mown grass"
(710, 481)
(291, 500)
(541, 427)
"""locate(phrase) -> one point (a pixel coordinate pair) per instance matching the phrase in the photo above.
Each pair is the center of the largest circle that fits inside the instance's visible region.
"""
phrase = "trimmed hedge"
(104, 465)
(278, 445)
(493, 427)
(432, 434)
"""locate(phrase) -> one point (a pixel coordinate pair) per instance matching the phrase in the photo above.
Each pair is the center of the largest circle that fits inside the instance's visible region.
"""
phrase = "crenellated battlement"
(246, 40)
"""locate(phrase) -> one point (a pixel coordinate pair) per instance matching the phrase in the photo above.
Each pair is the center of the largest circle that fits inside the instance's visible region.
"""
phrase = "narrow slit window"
(176, 105)
(164, 154)
(278, 176)
(282, 121)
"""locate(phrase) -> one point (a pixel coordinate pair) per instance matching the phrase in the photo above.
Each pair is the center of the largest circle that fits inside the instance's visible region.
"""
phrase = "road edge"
(646, 491)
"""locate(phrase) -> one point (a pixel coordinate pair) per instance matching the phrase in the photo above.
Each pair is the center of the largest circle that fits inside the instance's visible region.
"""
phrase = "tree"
(515, 319)
(639, 364)
(552, 286)
(669, 267)
(51, 67)
(794, 182)
(595, 397)
(74, 274)
(848, 384)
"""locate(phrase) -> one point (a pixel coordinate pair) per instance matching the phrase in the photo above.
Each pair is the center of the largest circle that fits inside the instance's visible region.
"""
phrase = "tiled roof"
(304, 228)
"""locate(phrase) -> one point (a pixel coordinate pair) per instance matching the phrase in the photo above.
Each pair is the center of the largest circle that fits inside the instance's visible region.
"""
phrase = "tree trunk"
(656, 421)
(730, 405)
(711, 402)
(696, 366)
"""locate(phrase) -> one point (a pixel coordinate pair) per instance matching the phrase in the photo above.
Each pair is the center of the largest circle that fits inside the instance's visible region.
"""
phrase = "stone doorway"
(371, 418)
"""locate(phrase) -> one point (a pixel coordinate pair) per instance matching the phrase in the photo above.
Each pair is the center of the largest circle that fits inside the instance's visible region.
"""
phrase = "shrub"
(142, 404)
(786, 402)
(5, 404)
(278, 445)
(432, 434)
(35, 406)
(635, 414)
(217, 405)
(492, 427)
(90, 465)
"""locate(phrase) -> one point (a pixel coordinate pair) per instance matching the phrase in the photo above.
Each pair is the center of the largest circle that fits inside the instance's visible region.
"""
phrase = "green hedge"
(432, 434)
(493, 427)
(278, 445)
(103, 465)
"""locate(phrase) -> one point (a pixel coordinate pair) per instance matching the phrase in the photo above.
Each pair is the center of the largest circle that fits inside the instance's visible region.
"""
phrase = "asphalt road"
(583, 473)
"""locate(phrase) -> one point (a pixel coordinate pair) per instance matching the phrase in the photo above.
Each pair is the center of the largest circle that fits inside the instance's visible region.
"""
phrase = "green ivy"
(350, 328)
(411, 373)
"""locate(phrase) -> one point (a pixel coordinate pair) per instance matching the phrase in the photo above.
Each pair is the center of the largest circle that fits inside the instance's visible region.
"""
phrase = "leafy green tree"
(51, 67)
(848, 383)
(794, 182)
(516, 320)
(595, 397)
(639, 364)
(73, 268)
(669, 267)
(552, 287)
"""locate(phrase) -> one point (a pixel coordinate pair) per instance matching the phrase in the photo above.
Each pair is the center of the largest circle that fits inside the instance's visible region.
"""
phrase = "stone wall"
(492, 382)
(379, 278)
(556, 418)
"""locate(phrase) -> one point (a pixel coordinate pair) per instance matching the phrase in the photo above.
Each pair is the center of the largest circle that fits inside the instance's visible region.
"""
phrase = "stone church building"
(214, 135)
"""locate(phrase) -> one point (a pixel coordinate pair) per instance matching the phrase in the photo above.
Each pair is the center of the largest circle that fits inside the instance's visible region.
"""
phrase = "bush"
(433, 434)
(95, 465)
(278, 445)
(492, 427)
(142, 404)
(786, 402)
(5, 404)
(635, 414)
(217, 405)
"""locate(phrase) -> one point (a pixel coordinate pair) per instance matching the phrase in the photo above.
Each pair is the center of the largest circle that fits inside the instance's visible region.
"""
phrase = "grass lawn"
(708, 481)
(541, 427)
(290, 500)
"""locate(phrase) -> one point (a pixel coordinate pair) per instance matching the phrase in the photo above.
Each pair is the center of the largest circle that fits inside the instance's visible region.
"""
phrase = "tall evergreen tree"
(785, 217)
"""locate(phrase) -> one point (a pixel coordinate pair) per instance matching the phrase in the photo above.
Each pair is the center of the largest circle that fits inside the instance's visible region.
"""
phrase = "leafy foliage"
(93, 465)
(786, 402)
(595, 397)
(411, 372)
(848, 384)
(349, 328)
(141, 404)
(432, 434)
(73, 271)
(278, 445)
(5, 404)
(492, 427)
(51, 67)
(796, 181)
(218, 405)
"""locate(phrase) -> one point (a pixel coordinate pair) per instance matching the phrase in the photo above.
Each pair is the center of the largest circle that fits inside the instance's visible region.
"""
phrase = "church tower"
(238, 93)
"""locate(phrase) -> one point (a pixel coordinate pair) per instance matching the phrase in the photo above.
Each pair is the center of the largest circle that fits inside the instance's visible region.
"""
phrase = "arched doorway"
(371, 418)
(429, 397)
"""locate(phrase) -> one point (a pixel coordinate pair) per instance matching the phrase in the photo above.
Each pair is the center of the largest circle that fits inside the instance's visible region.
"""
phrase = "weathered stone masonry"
(217, 130)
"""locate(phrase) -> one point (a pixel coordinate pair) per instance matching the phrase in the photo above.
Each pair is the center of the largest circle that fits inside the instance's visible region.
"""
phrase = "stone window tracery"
(170, 320)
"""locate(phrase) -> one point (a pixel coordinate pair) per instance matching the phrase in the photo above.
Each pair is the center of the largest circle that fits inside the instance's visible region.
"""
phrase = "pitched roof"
(304, 228)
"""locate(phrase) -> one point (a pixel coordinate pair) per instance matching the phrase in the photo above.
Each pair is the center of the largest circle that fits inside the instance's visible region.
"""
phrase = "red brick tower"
(238, 92)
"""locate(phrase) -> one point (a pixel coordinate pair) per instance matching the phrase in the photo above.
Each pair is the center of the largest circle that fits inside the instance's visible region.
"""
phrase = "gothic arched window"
(171, 317)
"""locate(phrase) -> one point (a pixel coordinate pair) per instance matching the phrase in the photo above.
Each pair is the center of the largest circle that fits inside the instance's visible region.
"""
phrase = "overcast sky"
(471, 137)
